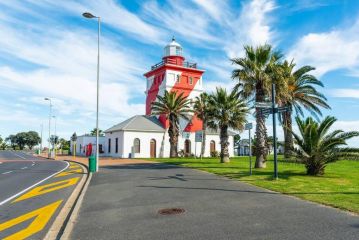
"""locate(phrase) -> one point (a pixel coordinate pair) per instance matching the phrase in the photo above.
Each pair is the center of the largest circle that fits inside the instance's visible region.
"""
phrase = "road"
(19, 171)
(33, 191)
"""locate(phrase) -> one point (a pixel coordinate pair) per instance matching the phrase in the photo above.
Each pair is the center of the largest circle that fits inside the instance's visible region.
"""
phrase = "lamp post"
(42, 126)
(89, 15)
(55, 141)
(50, 111)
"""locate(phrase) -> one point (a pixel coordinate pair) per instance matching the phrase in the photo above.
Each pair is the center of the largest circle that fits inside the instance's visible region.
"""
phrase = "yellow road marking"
(74, 166)
(65, 173)
(47, 188)
(42, 216)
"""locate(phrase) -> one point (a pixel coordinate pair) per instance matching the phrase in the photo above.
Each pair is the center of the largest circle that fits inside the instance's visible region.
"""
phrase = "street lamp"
(50, 111)
(55, 141)
(89, 15)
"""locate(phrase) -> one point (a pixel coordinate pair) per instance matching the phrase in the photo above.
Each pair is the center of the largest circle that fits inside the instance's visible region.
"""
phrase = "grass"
(339, 187)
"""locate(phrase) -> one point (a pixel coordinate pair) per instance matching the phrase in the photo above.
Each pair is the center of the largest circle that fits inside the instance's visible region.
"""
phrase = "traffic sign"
(263, 104)
(248, 126)
(199, 136)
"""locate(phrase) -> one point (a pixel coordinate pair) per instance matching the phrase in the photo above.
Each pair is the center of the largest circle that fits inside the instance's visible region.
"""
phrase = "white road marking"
(34, 185)
(18, 155)
(7, 173)
(24, 168)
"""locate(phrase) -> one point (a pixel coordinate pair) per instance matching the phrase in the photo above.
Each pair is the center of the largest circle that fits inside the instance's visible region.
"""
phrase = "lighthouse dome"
(173, 49)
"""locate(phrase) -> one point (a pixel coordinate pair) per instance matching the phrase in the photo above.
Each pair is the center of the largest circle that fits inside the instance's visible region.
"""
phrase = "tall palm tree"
(301, 93)
(174, 107)
(256, 72)
(226, 111)
(201, 108)
(316, 147)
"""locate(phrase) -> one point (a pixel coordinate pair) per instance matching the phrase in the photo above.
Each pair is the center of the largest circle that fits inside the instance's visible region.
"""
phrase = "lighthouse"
(146, 136)
(174, 74)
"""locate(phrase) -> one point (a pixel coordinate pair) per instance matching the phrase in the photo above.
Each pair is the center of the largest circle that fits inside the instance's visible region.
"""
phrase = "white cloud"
(178, 18)
(112, 14)
(252, 27)
(328, 51)
(344, 93)
(64, 68)
(216, 9)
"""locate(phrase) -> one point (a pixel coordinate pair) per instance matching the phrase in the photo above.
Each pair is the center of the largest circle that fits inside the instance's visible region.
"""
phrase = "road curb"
(63, 220)
(69, 225)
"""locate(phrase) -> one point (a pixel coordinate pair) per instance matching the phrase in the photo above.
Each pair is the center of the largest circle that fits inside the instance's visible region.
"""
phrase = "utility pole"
(248, 127)
(50, 112)
(274, 133)
(265, 109)
(42, 126)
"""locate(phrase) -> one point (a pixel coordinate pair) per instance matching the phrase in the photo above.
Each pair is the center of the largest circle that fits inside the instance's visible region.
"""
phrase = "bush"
(214, 154)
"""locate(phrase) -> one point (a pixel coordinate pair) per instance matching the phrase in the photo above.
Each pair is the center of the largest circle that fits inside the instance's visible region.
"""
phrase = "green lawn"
(339, 187)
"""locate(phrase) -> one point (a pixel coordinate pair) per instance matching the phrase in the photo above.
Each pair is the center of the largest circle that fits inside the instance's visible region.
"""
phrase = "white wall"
(126, 140)
(82, 141)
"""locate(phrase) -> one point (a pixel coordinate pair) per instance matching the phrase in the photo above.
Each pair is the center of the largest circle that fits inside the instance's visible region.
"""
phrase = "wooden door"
(153, 148)
(187, 147)
(212, 146)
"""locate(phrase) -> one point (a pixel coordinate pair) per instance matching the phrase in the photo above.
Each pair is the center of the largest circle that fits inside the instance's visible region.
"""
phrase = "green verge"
(339, 187)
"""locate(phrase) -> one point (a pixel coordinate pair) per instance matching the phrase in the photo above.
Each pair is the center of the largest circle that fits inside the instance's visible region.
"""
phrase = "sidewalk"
(122, 202)
(104, 161)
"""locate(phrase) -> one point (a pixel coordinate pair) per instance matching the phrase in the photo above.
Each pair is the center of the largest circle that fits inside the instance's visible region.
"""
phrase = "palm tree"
(256, 73)
(226, 111)
(93, 132)
(173, 106)
(201, 108)
(316, 147)
(301, 93)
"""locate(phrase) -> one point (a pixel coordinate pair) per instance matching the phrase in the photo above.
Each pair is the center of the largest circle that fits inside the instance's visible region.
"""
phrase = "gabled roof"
(138, 123)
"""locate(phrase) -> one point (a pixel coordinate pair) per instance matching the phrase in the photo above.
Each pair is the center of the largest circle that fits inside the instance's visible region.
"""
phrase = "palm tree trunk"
(224, 144)
(203, 148)
(173, 136)
(261, 133)
(288, 137)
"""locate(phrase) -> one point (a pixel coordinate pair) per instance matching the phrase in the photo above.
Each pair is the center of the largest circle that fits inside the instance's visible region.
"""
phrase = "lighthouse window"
(178, 78)
(178, 51)
(190, 80)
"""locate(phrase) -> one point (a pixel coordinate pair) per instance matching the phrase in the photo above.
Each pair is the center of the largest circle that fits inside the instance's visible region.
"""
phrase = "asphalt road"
(122, 202)
(32, 193)
(19, 171)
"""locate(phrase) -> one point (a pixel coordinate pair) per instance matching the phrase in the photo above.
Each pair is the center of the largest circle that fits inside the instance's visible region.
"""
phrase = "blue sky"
(47, 49)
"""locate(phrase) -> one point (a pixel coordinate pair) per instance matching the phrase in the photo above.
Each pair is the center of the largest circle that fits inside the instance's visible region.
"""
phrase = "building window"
(116, 147)
(190, 81)
(136, 145)
(100, 149)
(109, 145)
(178, 78)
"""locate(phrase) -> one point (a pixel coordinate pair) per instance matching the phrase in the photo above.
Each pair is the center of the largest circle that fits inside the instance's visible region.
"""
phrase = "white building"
(145, 136)
(83, 142)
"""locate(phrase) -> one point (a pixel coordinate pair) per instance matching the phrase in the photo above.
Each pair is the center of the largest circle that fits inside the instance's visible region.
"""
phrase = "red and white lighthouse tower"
(173, 73)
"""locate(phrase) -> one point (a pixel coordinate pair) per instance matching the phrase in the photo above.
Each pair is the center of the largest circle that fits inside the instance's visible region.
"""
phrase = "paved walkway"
(122, 202)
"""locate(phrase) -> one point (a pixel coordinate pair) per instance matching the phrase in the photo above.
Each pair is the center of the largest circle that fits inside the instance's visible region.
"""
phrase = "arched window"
(136, 145)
